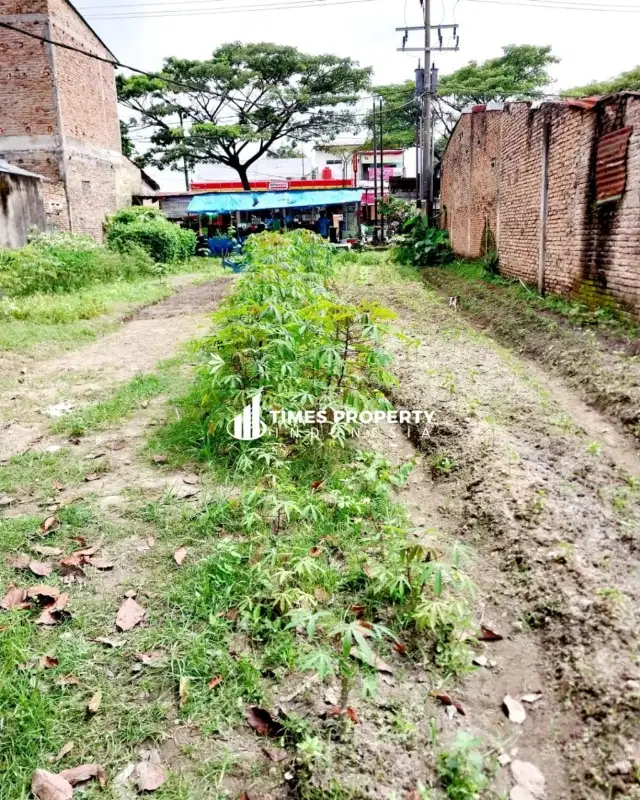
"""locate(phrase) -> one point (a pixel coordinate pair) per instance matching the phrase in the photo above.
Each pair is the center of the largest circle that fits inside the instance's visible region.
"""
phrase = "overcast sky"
(590, 44)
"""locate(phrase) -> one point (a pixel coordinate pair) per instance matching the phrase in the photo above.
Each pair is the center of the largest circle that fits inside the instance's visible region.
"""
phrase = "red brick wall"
(66, 130)
(591, 252)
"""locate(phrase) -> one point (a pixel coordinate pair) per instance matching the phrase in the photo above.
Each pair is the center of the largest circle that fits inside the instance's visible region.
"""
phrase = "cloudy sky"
(591, 44)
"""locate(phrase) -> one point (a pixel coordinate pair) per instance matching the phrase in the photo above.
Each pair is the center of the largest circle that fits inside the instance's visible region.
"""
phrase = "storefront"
(333, 213)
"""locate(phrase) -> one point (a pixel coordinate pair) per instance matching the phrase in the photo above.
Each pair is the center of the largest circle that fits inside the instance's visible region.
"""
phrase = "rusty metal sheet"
(611, 165)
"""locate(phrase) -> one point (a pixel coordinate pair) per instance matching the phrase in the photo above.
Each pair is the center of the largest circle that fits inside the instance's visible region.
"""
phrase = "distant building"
(59, 115)
(21, 204)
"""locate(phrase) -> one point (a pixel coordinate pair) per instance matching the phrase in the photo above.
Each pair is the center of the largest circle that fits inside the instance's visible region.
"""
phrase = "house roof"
(106, 47)
(12, 170)
(263, 201)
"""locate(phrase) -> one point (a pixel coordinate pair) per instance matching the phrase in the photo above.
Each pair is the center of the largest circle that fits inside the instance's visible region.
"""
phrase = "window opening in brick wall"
(86, 186)
(611, 165)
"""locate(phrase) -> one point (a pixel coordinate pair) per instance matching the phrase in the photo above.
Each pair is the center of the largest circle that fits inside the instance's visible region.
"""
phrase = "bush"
(63, 262)
(422, 246)
(149, 229)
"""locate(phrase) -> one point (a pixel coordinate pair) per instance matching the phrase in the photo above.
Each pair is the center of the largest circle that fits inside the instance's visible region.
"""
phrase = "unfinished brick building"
(59, 115)
(555, 190)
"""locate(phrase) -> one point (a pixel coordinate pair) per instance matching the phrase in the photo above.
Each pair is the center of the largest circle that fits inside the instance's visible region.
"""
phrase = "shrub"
(63, 262)
(148, 228)
(422, 246)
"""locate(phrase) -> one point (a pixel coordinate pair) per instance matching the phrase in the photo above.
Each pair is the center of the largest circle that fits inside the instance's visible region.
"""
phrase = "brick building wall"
(59, 115)
(493, 185)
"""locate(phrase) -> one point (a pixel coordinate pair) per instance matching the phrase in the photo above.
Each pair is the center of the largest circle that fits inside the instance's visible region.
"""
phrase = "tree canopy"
(626, 81)
(290, 150)
(520, 73)
(234, 107)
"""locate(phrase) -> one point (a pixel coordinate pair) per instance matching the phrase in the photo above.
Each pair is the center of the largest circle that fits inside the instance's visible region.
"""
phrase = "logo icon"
(248, 425)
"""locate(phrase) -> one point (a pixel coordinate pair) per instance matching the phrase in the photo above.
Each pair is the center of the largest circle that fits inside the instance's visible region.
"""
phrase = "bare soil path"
(76, 378)
(544, 490)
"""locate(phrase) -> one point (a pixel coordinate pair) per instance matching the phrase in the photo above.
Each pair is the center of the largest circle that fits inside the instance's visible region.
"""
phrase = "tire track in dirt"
(153, 334)
(555, 524)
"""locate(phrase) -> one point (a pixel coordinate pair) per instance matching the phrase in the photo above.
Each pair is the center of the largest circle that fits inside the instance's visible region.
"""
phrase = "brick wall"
(59, 115)
(492, 191)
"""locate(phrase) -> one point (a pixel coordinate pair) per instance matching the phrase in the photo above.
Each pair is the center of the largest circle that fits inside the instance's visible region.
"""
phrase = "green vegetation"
(463, 769)
(147, 229)
(626, 81)
(420, 245)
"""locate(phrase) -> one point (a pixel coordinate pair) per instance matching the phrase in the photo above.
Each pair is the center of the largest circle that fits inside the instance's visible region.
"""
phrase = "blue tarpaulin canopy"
(227, 203)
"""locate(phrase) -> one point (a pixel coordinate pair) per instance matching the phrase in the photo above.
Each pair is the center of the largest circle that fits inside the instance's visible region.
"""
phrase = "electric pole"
(427, 81)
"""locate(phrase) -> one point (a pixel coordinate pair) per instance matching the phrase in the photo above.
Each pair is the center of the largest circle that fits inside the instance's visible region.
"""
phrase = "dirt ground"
(76, 378)
(545, 491)
(536, 485)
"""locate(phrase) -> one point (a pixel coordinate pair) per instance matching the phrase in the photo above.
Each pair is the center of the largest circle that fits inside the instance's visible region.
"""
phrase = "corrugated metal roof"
(267, 201)
(13, 170)
(611, 165)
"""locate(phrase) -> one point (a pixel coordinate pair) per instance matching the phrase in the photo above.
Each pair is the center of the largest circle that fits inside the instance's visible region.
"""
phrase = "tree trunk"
(242, 171)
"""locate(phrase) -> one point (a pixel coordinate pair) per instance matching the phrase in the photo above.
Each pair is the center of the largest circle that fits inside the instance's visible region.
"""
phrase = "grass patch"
(37, 473)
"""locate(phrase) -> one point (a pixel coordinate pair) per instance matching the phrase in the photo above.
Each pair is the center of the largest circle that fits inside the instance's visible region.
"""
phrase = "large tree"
(234, 107)
(520, 73)
(626, 81)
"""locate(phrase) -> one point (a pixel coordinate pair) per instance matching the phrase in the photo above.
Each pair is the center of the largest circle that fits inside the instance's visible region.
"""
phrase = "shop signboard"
(278, 186)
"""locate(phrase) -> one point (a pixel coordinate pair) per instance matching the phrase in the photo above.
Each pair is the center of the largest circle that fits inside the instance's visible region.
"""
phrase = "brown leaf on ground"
(399, 648)
(263, 723)
(192, 480)
(160, 458)
(48, 786)
(64, 751)
(152, 658)
(447, 700)
(487, 635)
(80, 540)
(215, 681)
(316, 486)
(320, 594)
(20, 561)
(231, 614)
(100, 563)
(72, 575)
(183, 692)
(349, 712)
(94, 703)
(68, 680)
(150, 776)
(49, 524)
(41, 568)
(87, 551)
(376, 662)
(43, 593)
(14, 598)
(111, 642)
(83, 773)
(95, 476)
(43, 550)
(357, 610)
(180, 555)
(275, 754)
(130, 614)
(48, 662)
(315, 552)
(59, 486)
(53, 616)
(70, 561)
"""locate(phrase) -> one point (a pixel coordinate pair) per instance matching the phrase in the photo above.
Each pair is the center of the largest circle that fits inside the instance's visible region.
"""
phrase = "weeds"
(463, 769)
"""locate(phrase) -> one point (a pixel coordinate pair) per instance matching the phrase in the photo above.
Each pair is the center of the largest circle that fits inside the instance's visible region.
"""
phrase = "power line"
(229, 10)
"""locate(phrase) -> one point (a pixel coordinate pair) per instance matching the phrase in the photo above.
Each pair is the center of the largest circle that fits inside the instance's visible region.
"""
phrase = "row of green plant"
(315, 562)
(141, 243)
(415, 242)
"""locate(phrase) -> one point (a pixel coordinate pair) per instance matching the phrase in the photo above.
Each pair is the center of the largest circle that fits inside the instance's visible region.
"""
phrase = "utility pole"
(429, 88)
(375, 173)
(426, 195)
(185, 166)
(381, 171)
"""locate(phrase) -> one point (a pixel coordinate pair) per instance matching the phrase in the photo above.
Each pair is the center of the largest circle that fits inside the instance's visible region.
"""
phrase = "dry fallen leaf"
(487, 635)
(320, 594)
(111, 642)
(94, 704)
(263, 723)
(59, 486)
(447, 700)
(65, 750)
(180, 555)
(130, 614)
(150, 776)
(349, 712)
(41, 568)
(14, 598)
(160, 458)
(152, 658)
(191, 479)
(515, 709)
(43, 593)
(183, 692)
(83, 773)
(87, 551)
(68, 680)
(20, 561)
(215, 681)
(531, 698)
(49, 524)
(376, 662)
(47, 786)
(43, 550)
(93, 477)
(399, 648)
(48, 662)
(100, 563)
(275, 754)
